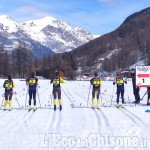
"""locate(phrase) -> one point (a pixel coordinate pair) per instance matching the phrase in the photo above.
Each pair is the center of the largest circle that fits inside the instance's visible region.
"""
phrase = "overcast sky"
(96, 16)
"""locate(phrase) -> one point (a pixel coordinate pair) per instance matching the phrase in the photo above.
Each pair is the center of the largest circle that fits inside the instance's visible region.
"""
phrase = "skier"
(96, 82)
(56, 89)
(120, 88)
(8, 85)
(32, 83)
(135, 89)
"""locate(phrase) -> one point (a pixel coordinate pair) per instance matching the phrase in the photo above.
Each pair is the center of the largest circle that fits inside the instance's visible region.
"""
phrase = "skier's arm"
(125, 80)
(100, 82)
(27, 82)
(13, 84)
(51, 81)
(114, 82)
(62, 81)
(37, 83)
(91, 81)
(4, 84)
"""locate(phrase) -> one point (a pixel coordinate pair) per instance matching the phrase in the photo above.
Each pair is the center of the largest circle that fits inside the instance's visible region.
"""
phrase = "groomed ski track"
(21, 130)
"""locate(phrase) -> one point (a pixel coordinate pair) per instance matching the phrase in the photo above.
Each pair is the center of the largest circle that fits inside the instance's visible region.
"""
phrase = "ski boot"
(54, 107)
(117, 106)
(98, 107)
(34, 109)
(10, 109)
(29, 108)
(92, 106)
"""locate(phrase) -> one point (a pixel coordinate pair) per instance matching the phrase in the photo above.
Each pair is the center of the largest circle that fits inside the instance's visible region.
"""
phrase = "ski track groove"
(52, 122)
(137, 118)
(28, 115)
(59, 122)
(4, 113)
(10, 127)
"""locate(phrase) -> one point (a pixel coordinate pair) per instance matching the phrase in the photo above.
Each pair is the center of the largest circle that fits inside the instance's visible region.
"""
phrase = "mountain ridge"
(51, 35)
(119, 49)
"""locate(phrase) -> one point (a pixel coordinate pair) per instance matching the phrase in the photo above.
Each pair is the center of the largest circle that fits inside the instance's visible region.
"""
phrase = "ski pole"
(101, 96)
(26, 96)
(128, 96)
(16, 99)
(144, 94)
(68, 97)
(112, 95)
(88, 96)
(38, 97)
(2, 100)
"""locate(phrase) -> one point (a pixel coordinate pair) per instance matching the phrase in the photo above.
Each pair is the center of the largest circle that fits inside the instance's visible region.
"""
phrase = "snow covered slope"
(47, 33)
(80, 127)
(56, 35)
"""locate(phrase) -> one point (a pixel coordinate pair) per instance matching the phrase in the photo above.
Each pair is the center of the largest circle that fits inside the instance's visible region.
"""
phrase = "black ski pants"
(32, 93)
(120, 90)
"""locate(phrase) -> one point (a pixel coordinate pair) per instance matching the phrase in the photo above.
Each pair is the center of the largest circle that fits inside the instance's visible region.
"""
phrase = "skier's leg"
(118, 95)
(148, 103)
(10, 98)
(30, 98)
(54, 94)
(6, 98)
(34, 98)
(137, 95)
(93, 96)
(98, 101)
(122, 95)
(59, 97)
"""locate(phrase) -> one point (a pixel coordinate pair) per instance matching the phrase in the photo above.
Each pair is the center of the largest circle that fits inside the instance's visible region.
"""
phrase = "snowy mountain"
(12, 32)
(44, 36)
(56, 35)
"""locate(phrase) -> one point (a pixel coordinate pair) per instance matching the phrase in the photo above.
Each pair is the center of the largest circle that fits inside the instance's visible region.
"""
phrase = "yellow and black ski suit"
(56, 88)
(8, 85)
(120, 88)
(96, 82)
(32, 89)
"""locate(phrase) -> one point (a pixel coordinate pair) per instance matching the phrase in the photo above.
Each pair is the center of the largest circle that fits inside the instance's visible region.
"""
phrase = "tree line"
(17, 62)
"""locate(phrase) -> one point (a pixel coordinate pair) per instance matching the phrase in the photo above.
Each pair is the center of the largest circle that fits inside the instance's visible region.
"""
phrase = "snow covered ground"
(74, 128)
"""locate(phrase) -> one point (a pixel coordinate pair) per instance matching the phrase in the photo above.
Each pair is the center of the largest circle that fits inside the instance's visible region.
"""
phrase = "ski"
(118, 107)
(123, 108)
(10, 109)
(98, 109)
(34, 110)
(29, 110)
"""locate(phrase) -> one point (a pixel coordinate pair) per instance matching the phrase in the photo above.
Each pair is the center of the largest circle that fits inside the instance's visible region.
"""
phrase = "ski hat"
(57, 73)
(32, 74)
(119, 74)
(132, 70)
(96, 74)
(9, 77)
